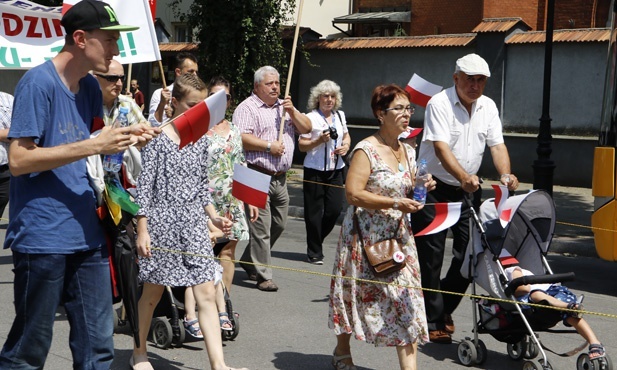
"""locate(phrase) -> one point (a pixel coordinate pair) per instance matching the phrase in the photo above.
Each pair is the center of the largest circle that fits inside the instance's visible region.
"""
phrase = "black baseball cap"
(90, 15)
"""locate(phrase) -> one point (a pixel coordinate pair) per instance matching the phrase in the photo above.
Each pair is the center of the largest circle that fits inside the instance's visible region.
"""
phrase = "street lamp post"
(544, 167)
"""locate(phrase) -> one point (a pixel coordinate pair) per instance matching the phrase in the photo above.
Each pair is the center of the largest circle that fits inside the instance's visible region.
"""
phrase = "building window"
(181, 33)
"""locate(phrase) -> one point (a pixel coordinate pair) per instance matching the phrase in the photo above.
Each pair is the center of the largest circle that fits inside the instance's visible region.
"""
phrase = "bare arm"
(469, 183)
(300, 120)
(501, 160)
(3, 135)
(306, 144)
(27, 157)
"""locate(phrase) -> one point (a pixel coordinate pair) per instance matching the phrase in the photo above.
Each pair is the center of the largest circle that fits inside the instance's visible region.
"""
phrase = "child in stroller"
(556, 296)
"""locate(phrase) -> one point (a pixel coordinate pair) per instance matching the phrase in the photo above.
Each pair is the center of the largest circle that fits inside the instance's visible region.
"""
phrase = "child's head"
(188, 91)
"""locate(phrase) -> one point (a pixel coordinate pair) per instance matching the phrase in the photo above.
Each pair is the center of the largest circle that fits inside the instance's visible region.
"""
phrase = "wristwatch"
(395, 205)
(269, 146)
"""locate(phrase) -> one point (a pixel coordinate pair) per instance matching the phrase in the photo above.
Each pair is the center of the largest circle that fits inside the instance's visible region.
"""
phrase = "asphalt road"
(288, 329)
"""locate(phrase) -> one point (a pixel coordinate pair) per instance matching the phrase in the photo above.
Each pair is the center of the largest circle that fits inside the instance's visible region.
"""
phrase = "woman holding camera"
(325, 146)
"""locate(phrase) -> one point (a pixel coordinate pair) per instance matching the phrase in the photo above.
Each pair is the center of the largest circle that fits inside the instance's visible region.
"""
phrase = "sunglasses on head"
(111, 78)
(227, 95)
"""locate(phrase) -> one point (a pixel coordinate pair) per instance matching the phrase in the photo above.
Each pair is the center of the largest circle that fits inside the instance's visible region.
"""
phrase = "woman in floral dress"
(378, 184)
(224, 151)
(175, 202)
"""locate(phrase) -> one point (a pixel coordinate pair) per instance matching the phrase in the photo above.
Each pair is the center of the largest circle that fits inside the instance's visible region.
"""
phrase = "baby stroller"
(167, 328)
(527, 237)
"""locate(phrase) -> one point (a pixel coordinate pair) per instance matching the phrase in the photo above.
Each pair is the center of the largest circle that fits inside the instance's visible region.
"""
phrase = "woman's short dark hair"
(220, 81)
(383, 95)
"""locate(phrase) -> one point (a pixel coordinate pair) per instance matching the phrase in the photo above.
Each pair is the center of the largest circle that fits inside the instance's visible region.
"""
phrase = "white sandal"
(337, 362)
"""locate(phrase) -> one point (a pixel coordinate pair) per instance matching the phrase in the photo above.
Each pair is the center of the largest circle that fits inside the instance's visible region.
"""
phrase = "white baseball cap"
(473, 64)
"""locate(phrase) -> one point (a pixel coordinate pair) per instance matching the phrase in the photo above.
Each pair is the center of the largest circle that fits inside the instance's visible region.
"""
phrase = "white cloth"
(315, 157)
(154, 103)
(447, 120)
(6, 109)
(533, 287)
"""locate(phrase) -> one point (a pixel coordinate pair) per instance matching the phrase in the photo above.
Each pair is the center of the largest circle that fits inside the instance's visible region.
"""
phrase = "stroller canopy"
(526, 237)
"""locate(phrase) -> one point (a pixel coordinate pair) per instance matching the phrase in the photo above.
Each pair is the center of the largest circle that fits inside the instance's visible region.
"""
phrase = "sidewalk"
(572, 205)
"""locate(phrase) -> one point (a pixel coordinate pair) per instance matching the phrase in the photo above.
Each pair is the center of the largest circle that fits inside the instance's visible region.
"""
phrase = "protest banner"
(30, 33)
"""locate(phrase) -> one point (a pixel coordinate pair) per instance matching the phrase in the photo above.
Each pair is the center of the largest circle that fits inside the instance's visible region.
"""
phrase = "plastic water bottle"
(419, 190)
(113, 162)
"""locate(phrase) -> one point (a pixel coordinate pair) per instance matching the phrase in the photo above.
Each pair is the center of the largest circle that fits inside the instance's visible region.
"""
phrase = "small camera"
(332, 131)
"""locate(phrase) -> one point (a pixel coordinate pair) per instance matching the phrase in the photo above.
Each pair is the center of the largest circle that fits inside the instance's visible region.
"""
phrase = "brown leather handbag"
(384, 257)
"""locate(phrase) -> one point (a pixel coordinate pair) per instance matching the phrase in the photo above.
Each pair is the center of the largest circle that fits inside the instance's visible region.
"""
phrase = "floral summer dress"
(384, 315)
(172, 191)
(223, 153)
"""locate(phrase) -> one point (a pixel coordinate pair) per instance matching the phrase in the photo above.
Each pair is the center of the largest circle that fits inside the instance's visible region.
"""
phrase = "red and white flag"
(67, 4)
(250, 186)
(195, 122)
(421, 90)
(501, 195)
(510, 207)
(446, 215)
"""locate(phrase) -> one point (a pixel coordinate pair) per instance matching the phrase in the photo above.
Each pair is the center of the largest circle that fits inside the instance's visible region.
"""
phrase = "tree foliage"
(236, 37)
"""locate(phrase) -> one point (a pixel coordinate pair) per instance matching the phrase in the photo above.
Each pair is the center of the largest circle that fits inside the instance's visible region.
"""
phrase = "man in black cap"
(58, 244)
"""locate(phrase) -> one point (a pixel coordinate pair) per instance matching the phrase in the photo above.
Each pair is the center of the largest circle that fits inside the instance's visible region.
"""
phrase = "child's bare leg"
(538, 296)
(583, 328)
(189, 305)
(222, 308)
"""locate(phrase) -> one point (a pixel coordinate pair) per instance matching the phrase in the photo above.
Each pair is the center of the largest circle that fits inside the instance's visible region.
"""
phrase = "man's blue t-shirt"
(54, 211)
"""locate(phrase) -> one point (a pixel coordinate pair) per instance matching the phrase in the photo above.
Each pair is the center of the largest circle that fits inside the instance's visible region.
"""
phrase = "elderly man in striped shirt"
(259, 118)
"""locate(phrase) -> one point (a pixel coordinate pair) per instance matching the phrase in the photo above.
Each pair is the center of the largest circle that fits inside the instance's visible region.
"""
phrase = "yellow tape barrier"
(291, 269)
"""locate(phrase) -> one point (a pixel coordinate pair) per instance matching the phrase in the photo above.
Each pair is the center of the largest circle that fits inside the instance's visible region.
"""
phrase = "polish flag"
(421, 90)
(196, 121)
(446, 215)
(250, 186)
(409, 133)
(67, 4)
(501, 195)
(152, 4)
(509, 208)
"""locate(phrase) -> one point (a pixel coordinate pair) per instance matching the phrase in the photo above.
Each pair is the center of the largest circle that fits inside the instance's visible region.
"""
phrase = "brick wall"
(429, 17)
(531, 11)
(380, 4)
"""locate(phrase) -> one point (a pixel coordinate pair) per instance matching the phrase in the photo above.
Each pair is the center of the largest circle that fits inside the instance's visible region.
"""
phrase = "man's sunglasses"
(111, 78)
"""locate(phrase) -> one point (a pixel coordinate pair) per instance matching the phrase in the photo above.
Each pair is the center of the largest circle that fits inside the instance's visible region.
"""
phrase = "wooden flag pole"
(127, 88)
(162, 74)
(291, 67)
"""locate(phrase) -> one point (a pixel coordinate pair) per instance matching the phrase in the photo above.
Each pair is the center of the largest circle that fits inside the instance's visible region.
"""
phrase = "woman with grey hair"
(325, 147)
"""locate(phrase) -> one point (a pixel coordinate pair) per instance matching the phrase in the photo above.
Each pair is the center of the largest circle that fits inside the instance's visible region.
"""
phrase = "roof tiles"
(462, 39)
(498, 24)
(575, 35)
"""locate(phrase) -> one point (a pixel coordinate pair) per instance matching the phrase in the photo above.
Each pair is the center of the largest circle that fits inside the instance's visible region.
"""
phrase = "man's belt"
(4, 167)
(265, 170)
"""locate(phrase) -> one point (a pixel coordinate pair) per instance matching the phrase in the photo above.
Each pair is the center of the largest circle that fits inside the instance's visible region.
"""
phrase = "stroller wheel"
(585, 363)
(516, 351)
(161, 332)
(482, 352)
(467, 353)
(531, 349)
(235, 324)
(537, 365)
(177, 340)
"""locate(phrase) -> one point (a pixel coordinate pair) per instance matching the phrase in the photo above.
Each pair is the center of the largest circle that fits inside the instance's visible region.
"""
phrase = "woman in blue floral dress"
(175, 202)
(224, 151)
(378, 184)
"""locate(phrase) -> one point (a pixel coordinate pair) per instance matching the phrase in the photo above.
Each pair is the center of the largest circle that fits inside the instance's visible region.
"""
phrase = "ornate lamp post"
(544, 167)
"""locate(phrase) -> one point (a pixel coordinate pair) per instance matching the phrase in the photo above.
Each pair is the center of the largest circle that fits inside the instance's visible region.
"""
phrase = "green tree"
(236, 37)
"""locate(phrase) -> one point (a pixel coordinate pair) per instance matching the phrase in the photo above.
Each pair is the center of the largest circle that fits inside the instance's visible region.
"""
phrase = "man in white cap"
(458, 124)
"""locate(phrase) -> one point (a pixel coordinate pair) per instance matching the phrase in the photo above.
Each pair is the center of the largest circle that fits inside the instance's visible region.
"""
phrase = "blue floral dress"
(223, 153)
(172, 191)
(385, 315)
